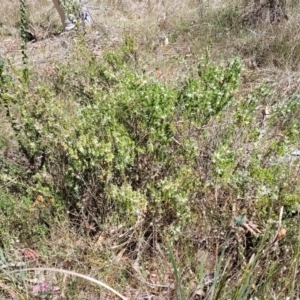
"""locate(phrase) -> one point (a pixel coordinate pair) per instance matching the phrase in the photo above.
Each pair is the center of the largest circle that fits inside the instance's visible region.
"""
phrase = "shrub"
(107, 140)
(206, 95)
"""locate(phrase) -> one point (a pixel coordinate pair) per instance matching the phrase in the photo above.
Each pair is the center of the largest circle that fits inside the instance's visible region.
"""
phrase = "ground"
(244, 192)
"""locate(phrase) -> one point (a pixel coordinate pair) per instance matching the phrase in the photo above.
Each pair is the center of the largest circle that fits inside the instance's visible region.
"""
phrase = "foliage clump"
(106, 140)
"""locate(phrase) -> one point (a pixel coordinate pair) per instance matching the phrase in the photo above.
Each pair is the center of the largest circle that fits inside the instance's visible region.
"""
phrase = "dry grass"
(160, 30)
(169, 37)
(42, 13)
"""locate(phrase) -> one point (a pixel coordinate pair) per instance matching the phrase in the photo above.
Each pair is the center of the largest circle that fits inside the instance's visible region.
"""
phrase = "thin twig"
(74, 274)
